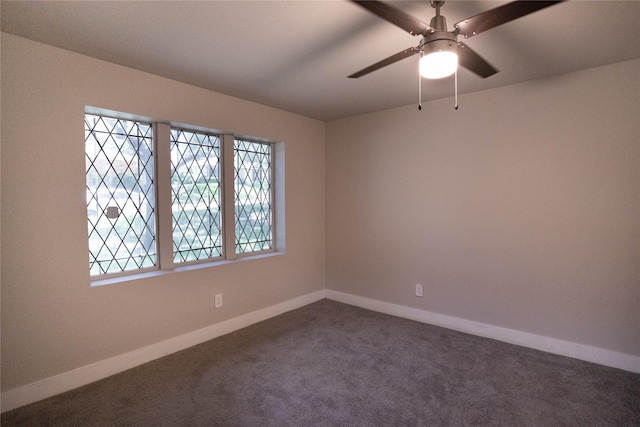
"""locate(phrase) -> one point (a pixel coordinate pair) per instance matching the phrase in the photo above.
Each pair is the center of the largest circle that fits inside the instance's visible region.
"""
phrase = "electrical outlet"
(419, 290)
(217, 301)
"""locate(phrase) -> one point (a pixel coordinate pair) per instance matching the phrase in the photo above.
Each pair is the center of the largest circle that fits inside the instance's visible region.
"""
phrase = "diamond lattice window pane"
(120, 195)
(195, 195)
(253, 196)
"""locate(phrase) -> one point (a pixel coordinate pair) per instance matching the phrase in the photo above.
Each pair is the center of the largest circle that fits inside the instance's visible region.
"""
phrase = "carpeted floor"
(330, 364)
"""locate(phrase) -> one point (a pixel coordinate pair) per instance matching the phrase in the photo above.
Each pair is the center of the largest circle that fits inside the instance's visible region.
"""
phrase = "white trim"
(228, 197)
(627, 362)
(164, 205)
(66, 381)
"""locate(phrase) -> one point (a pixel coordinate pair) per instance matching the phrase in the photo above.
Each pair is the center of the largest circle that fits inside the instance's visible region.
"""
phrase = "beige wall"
(52, 320)
(521, 209)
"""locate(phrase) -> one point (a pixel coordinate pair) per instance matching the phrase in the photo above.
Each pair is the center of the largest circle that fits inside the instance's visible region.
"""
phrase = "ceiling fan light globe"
(437, 65)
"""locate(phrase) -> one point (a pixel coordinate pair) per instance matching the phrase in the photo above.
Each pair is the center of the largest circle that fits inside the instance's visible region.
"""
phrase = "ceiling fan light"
(437, 65)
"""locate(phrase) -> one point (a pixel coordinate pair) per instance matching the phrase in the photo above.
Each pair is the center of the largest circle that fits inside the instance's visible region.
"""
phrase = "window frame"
(163, 199)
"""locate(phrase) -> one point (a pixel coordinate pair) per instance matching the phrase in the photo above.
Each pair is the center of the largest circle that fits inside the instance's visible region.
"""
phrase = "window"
(217, 190)
(120, 195)
(253, 196)
(195, 196)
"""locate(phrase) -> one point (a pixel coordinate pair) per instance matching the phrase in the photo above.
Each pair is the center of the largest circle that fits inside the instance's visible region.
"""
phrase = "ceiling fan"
(439, 49)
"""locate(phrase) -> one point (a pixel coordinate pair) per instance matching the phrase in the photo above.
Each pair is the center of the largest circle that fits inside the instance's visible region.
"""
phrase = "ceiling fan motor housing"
(440, 39)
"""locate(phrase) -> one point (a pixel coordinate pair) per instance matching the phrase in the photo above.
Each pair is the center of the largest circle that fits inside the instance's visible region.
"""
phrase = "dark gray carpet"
(330, 364)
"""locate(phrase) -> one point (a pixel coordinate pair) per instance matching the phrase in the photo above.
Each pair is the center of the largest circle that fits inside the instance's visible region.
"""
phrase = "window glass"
(120, 195)
(253, 196)
(195, 195)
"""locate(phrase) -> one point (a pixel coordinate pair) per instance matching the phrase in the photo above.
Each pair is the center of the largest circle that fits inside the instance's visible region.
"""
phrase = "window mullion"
(277, 194)
(228, 197)
(163, 197)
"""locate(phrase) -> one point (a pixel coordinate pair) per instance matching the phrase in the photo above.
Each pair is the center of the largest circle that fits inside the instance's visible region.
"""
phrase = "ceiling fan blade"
(470, 60)
(500, 15)
(388, 61)
(397, 17)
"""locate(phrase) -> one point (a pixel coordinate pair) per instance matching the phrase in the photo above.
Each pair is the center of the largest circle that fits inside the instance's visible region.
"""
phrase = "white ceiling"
(295, 55)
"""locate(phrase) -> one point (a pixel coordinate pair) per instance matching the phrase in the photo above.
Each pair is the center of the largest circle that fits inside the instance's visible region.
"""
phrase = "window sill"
(156, 273)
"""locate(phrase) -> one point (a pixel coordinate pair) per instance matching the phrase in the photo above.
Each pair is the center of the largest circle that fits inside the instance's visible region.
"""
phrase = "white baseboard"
(597, 355)
(66, 381)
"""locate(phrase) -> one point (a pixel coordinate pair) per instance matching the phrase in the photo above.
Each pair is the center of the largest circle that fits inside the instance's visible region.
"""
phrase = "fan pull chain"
(419, 84)
(419, 93)
(456, 89)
